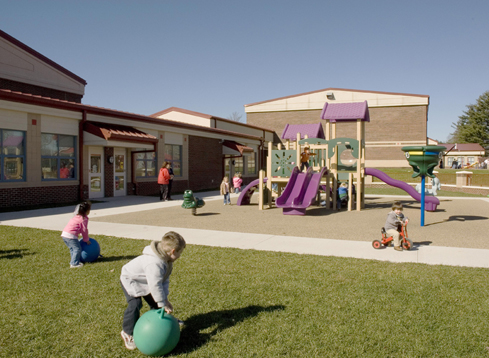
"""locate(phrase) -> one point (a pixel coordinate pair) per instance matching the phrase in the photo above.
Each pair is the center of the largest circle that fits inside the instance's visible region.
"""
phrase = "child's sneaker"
(398, 248)
(76, 266)
(128, 341)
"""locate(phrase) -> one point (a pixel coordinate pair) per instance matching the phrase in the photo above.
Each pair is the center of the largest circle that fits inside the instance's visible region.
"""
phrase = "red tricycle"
(406, 243)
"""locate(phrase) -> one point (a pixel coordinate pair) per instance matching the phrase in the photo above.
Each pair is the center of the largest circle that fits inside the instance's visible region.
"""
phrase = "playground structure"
(333, 160)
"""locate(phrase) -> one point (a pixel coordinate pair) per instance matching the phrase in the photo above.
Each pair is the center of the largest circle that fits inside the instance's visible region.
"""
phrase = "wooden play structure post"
(261, 175)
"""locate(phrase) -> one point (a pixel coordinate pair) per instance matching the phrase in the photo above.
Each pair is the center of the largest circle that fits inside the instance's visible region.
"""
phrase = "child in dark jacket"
(394, 219)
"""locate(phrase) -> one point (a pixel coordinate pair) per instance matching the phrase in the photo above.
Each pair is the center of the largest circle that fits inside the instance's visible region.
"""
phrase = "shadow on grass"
(459, 218)
(201, 328)
(115, 258)
(14, 254)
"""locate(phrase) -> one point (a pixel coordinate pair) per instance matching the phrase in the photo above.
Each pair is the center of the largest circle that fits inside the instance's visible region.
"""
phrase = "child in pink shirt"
(237, 181)
(76, 226)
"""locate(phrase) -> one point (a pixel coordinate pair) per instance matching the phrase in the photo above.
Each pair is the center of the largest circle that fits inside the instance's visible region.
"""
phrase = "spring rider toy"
(191, 202)
(156, 333)
(423, 159)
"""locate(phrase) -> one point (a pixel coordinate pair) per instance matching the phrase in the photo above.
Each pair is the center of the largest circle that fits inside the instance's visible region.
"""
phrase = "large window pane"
(13, 142)
(238, 165)
(66, 146)
(177, 170)
(49, 168)
(12, 155)
(140, 168)
(49, 145)
(145, 164)
(151, 168)
(13, 168)
(173, 155)
(58, 157)
(251, 166)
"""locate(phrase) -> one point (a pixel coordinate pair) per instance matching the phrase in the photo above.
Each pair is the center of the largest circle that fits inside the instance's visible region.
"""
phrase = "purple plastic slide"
(300, 191)
(431, 202)
(247, 192)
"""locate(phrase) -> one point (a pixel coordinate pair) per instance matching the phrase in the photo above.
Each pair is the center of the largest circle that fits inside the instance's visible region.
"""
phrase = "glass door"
(120, 172)
(95, 173)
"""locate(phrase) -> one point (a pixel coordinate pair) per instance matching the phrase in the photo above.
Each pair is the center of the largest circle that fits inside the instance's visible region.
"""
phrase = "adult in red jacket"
(163, 180)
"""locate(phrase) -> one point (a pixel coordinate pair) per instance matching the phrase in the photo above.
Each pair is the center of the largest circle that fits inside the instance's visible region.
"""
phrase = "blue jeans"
(227, 198)
(75, 250)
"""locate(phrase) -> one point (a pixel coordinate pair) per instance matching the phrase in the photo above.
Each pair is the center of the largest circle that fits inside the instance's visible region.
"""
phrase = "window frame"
(59, 158)
(4, 156)
(145, 161)
(173, 161)
(252, 155)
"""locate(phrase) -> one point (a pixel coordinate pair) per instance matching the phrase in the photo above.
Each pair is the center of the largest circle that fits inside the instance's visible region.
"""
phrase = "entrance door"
(95, 173)
(120, 172)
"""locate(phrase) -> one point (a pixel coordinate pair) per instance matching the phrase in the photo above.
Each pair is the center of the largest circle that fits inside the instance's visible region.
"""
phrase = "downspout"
(80, 155)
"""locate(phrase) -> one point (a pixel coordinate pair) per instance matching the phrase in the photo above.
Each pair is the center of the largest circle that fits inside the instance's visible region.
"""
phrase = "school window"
(251, 164)
(173, 155)
(145, 164)
(58, 157)
(12, 155)
(238, 165)
(471, 160)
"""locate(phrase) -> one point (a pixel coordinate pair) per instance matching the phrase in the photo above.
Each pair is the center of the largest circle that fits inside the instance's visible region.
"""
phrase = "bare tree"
(235, 116)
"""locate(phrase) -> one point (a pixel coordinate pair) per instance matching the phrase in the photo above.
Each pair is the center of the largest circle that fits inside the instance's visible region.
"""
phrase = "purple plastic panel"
(300, 191)
(344, 112)
(245, 196)
(431, 202)
(314, 130)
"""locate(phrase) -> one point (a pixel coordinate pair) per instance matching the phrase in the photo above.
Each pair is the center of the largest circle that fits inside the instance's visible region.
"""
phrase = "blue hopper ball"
(89, 252)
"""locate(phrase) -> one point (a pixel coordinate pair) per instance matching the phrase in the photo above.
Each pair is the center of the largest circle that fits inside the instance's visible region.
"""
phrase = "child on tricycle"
(395, 230)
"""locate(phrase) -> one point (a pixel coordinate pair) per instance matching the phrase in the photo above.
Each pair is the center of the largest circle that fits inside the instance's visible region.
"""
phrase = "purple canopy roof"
(344, 112)
(314, 130)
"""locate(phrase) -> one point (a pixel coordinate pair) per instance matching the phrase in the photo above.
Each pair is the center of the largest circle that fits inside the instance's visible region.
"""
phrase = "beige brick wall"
(387, 124)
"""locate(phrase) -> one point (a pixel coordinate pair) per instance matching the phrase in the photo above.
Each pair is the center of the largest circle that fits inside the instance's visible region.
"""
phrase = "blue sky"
(215, 56)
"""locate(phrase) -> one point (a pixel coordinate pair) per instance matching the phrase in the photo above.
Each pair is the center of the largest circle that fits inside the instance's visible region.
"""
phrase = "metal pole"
(422, 199)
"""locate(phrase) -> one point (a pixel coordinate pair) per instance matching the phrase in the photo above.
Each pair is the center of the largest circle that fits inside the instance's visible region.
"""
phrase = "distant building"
(464, 154)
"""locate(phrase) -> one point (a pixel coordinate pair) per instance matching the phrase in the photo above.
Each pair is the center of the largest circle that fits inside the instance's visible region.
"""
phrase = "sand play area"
(456, 223)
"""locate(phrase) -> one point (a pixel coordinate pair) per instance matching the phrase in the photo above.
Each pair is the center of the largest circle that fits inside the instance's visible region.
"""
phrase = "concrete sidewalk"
(56, 219)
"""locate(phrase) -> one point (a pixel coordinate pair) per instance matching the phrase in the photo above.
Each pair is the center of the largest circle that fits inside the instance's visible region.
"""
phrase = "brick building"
(396, 119)
(55, 149)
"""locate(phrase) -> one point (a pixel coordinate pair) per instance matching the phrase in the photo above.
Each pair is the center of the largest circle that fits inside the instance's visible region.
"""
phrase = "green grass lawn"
(241, 303)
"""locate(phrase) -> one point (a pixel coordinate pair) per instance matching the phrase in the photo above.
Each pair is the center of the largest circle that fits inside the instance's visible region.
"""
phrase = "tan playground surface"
(456, 223)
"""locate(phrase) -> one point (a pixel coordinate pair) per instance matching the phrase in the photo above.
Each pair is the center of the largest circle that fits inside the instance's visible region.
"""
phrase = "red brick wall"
(19, 197)
(205, 163)
(39, 91)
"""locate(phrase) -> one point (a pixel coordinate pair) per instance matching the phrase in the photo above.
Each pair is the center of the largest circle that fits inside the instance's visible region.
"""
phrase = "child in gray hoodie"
(147, 276)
